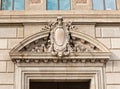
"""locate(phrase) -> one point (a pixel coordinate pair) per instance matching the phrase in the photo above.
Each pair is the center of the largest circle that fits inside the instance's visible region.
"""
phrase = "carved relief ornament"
(60, 42)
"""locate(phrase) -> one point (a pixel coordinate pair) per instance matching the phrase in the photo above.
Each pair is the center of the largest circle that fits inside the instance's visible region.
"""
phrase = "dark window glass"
(12, 4)
(18, 4)
(98, 5)
(64, 4)
(58, 4)
(52, 4)
(7, 4)
(110, 4)
(104, 4)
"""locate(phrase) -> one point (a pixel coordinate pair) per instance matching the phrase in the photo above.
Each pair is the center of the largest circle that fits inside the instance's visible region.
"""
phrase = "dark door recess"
(59, 85)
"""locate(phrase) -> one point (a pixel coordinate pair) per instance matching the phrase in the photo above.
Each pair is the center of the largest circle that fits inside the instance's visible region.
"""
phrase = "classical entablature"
(60, 42)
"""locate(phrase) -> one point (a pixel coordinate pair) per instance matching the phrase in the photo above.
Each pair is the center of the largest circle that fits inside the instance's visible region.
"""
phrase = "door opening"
(60, 85)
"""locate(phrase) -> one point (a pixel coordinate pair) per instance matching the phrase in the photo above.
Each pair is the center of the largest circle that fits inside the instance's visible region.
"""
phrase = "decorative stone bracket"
(60, 42)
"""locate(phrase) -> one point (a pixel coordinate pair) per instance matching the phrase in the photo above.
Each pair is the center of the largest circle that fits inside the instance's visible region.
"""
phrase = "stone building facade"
(96, 30)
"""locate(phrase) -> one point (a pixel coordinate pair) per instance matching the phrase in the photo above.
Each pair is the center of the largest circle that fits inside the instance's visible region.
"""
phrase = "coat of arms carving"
(59, 41)
(60, 38)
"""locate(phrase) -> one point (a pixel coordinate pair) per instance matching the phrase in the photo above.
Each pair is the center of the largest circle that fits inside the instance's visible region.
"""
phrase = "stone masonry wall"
(11, 35)
(110, 36)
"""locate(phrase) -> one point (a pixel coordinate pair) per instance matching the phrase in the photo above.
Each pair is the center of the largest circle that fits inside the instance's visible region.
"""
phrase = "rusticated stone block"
(20, 32)
(115, 54)
(6, 78)
(7, 32)
(13, 42)
(109, 66)
(2, 66)
(3, 43)
(4, 55)
(81, 1)
(35, 1)
(6, 87)
(113, 86)
(116, 66)
(105, 41)
(110, 31)
(115, 42)
(10, 66)
(113, 78)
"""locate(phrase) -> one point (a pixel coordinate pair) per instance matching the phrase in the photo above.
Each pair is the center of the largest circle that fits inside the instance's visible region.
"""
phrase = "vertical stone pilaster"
(118, 4)
(27, 4)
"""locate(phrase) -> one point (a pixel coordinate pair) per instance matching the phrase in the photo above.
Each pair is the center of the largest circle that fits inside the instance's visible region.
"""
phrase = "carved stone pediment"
(60, 42)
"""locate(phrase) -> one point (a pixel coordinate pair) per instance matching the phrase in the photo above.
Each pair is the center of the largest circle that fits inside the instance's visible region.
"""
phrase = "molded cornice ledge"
(47, 16)
(73, 58)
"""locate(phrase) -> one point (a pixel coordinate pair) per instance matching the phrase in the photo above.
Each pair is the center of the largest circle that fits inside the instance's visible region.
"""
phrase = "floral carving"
(60, 46)
(60, 42)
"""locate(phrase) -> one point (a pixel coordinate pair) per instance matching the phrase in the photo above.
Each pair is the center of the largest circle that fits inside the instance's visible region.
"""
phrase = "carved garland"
(60, 42)
(59, 46)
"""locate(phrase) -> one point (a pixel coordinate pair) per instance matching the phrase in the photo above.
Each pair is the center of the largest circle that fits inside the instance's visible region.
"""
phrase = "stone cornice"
(46, 16)
(48, 46)
(73, 58)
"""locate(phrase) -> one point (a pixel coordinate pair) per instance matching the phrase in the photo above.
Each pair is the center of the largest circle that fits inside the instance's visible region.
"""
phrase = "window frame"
(13, 5)
(0, 4)
(57, 4)
(104, 5)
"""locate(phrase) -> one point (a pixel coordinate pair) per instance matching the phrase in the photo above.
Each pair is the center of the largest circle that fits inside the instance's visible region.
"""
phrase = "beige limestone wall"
(110, 36)
(9, 37)
(81, 5)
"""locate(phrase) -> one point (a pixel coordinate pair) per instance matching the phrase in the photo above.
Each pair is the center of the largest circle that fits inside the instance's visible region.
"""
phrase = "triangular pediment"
(59, 42)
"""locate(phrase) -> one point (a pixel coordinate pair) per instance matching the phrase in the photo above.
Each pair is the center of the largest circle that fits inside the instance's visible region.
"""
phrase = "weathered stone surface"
(105, 41)
(32, 29)
(35, 1)
(6, 78)
(2, 66)
(20, 32)
(6, 87)
(113, 86)
(4, 55)
(13, 42)
(81, 1)
(115, 42)
(80, 14)
(87, 29)
(3, 43)
(115, 54)
(110, 31)
(113, 78)
(116, 66)
(10, 66)
(109, 66)
(98, 31)
(7, 32)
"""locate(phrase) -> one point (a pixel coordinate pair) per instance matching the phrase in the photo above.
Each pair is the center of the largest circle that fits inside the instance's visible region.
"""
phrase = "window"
(104, 4)
(12, 4)
(58, 4)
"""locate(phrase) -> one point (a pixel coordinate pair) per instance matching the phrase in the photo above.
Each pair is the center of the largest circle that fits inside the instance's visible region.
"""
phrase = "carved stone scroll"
(60, 42)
